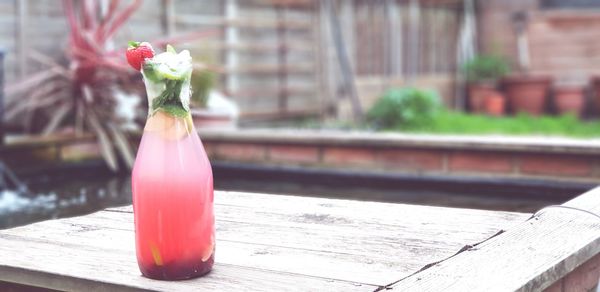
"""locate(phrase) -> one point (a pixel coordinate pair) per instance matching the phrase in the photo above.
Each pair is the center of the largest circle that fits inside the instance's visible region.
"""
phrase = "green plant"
(486, 68)
(404, 108)
(83, 93)
(202, 82)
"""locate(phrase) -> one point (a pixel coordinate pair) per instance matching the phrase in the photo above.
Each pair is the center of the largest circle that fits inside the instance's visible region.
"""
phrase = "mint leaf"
(170, 49)
(169, 101)
(133, 44)
(150, 72)
(174, 110)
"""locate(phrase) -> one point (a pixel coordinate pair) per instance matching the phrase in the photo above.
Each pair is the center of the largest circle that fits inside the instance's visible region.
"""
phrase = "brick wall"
(567, 160)
(561, 41)
(564, 44)
(495, 31)
(411, 159)
(583, 279)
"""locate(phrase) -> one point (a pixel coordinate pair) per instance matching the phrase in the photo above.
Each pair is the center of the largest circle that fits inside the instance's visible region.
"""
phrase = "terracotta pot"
(495, 104)
(527, 93)
(206, 119)
(569, 100)
(477, 94)
(596, 93)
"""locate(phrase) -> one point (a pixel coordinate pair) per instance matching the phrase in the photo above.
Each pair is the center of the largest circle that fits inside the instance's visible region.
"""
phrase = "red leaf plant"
(84, 94)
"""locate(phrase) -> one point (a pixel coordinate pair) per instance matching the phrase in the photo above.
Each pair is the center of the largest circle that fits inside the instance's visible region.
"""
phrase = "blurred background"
(489, 104)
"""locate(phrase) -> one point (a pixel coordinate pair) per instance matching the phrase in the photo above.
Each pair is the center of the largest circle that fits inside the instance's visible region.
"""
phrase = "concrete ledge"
(345, 138)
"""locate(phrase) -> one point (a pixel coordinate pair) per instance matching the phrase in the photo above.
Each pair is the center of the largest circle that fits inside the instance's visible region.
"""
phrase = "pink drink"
(172, 181)
(173, 201)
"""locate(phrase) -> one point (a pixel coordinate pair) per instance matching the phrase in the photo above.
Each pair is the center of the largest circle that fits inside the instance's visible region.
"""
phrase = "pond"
(82, 190)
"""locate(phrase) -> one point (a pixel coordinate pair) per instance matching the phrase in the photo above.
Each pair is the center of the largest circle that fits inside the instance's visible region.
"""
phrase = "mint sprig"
(169, 101)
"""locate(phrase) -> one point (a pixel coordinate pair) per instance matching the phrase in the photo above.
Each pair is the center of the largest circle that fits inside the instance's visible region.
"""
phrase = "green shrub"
(404, 108)
(486, 68)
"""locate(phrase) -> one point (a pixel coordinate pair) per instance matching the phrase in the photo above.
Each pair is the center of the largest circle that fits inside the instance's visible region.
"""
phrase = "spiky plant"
(80, 94)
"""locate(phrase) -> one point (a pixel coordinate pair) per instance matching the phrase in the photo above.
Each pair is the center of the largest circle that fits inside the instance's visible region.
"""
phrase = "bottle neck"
(168, 126)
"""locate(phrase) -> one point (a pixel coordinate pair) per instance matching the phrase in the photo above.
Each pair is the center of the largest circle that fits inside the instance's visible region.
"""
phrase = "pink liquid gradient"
(172, 188)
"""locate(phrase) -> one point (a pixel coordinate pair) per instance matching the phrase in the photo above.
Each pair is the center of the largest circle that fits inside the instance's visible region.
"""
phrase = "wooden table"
(264, 243)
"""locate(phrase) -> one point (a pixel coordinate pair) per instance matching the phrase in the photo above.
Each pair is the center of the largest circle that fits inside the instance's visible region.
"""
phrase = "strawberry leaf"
(133, 44)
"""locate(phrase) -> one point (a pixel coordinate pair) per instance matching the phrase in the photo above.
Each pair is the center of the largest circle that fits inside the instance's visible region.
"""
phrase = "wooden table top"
(264, 243)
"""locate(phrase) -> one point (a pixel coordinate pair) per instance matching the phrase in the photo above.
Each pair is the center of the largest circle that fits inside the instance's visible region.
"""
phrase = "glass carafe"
(172, 187)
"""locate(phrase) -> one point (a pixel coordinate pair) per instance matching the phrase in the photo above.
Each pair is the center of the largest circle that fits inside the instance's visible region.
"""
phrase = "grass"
(448, 122)
(456, 123)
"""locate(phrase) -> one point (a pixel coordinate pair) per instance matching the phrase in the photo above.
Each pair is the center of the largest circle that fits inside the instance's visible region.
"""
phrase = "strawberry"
(137, 52)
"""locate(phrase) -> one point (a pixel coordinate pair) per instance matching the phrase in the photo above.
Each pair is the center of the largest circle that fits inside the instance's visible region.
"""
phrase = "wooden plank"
(269, 91)
(395, 35)
(325, 76)
(303, 261)
(168, 17)
(22, 36)
(326, 242)
(267, 69)
(231, 37)
(317, 56)
(262, 47)
(296, 4)
(256, 23)
(282, 61)
(77, 267)
(529, 257)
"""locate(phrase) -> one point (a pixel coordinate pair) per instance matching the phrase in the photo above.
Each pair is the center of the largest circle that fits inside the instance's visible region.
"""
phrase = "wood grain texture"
(528, 257)
(264, 242)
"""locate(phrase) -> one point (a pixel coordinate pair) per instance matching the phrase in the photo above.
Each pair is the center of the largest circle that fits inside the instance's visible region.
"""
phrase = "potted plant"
(210, 108)
(569, 99)
(495, 104)
(527, 92)
(595, 87)
(483, 73)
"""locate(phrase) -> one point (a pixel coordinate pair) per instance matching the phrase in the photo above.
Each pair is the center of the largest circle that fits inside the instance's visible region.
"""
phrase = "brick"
(411, 159)
(464, 161)
(241, 152)
(556, 287)
(349, 156)
(559, 165)
(584, 277)
(294, 154)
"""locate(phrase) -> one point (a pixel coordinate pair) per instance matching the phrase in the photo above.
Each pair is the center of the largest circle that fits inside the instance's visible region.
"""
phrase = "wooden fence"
(277, 56)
